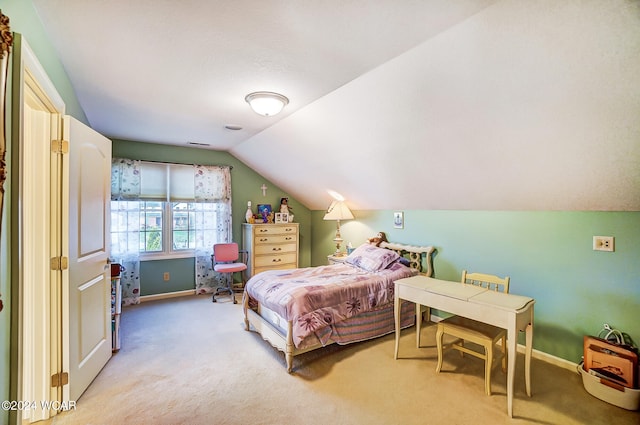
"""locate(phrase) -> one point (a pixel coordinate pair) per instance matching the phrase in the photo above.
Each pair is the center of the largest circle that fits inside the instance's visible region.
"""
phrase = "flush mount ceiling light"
(266, 103)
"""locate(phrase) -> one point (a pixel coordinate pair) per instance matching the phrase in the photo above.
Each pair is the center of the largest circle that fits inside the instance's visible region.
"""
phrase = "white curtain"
(213, 221)
(125, 225)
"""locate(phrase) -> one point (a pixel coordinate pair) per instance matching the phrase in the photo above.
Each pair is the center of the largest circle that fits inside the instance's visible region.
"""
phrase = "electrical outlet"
(603, 243)
(166, 276)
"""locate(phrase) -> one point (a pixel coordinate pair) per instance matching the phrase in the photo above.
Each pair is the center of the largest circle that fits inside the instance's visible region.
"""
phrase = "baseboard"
(545, 357)
(536, 354)
(154, 297)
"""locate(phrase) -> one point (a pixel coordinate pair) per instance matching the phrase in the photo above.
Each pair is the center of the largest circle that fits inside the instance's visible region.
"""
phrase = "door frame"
(35, 353)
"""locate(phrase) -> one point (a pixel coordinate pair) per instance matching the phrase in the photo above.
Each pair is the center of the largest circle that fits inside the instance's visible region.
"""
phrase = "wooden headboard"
(415, 255)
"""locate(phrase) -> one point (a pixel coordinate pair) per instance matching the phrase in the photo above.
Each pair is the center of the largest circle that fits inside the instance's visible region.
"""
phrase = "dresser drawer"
(276, 260)
(278, 267)
(276, 249)
(270, 229)
(268, 239)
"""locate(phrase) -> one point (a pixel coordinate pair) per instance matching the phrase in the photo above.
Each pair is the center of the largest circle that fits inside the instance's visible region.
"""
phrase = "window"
(151, 226)
(167, 228)
(160, 217)
(183, 225)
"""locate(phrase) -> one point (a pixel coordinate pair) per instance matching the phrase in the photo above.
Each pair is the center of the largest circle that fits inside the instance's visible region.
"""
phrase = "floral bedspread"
(316, 297)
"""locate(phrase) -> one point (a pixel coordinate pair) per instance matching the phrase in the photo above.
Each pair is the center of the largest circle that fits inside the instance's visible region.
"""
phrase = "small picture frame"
(264, 210)
(282, 218)
(398, 220)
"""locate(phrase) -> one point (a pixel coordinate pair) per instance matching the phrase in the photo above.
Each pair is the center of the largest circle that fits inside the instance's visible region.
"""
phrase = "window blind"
(166, 182)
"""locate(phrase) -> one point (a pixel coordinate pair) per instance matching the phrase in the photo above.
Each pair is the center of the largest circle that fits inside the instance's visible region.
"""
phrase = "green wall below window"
(181, 276)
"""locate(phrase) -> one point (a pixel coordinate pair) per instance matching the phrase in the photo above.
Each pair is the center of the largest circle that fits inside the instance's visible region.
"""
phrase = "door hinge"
(59, 263)
(59, 379)
(60, 146)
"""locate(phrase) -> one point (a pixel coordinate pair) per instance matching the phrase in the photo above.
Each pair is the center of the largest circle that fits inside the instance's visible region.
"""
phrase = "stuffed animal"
(378, 239)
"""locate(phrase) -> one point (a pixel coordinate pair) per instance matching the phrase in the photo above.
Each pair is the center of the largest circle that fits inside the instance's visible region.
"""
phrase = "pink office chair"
(225, 261)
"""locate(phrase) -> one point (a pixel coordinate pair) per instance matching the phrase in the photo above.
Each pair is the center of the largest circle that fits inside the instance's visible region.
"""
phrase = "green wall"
(547, 254)
(182, 275)
(245, 186)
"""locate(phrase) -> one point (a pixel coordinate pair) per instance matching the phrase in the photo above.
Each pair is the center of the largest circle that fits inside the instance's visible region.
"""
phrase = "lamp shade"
(266, 103)
(338, 210)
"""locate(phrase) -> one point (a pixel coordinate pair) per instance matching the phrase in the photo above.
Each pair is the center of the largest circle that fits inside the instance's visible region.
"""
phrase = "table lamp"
(337, 211)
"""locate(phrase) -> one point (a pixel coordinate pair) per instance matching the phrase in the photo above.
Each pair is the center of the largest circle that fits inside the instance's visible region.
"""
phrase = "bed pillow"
(371, 258)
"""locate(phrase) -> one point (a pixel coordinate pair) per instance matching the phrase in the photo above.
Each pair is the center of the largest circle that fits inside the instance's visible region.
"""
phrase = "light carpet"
(189, 361)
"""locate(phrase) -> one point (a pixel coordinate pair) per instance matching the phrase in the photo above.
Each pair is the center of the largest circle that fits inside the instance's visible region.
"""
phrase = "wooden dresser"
(270, 246)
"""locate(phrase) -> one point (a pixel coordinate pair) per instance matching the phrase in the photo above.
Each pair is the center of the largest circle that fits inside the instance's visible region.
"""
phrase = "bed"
(299, 310)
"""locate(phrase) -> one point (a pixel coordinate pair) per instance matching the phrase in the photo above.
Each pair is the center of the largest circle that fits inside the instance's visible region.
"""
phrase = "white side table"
(333, 259)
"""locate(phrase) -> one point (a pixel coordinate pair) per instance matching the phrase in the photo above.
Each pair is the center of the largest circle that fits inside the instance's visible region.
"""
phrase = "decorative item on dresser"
(282, 218)
(249, 214)
(270, 246)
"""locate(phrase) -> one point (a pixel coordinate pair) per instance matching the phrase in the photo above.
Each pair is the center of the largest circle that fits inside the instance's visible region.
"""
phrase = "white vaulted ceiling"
(476, 104)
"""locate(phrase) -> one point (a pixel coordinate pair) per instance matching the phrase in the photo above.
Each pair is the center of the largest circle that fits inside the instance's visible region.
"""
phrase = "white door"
(64, 310)
(88, 179)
